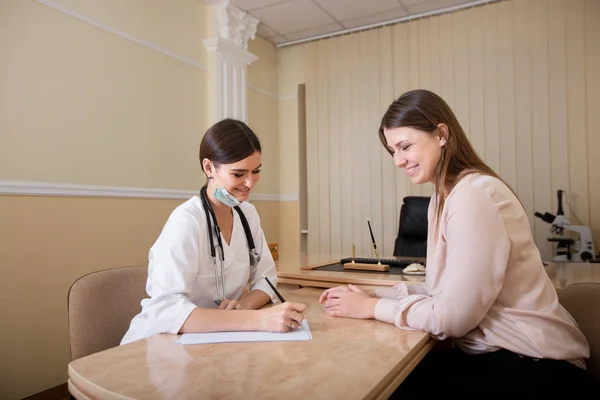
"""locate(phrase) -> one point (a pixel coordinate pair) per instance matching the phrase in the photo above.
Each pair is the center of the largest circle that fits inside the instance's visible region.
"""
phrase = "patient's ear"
(442, 133)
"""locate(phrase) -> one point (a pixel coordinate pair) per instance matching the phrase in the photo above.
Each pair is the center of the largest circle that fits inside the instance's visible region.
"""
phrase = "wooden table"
(563, 274)
(301, 272)
(347, 359)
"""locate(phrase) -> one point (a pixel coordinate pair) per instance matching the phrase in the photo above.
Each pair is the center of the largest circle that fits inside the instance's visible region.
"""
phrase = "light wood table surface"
(563, 274)
(346, 359)
(299, 271)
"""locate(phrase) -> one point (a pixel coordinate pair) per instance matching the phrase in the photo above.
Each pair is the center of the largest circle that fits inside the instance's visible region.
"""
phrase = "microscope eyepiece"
(546, 217)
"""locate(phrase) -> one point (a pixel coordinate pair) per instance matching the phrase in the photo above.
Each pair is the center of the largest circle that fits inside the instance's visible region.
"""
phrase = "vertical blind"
(521, 76)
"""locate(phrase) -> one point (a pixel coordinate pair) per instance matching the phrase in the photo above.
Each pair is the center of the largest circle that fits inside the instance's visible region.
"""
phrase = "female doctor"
(210, 247)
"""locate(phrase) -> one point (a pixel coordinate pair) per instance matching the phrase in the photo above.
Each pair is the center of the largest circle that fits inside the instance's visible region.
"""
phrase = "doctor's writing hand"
(351, 303)
(282, 317)
(227, 304)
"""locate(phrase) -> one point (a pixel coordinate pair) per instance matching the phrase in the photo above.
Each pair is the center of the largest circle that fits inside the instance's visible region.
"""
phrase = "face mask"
(222, 194)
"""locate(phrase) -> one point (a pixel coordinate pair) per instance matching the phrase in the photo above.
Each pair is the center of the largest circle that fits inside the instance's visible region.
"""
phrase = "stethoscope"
(252, 253)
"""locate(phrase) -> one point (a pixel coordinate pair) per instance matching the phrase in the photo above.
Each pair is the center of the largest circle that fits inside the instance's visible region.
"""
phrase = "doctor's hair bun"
(228, 141)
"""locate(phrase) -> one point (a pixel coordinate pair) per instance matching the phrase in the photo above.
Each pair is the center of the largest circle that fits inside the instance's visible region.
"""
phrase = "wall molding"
(289, 197)
(274, 197)
(264, 92)
(67, 11)
(269, 94)
(19, 188)
(124, 35)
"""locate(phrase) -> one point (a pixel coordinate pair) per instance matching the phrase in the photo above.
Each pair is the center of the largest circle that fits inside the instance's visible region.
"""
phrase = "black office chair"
(412, 229)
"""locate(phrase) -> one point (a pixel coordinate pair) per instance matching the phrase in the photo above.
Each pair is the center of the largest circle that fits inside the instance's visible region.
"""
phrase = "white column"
(229, 60)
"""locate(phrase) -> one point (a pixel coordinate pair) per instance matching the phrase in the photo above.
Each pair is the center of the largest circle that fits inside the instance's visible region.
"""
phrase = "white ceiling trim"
(67, 11)
(390, 22)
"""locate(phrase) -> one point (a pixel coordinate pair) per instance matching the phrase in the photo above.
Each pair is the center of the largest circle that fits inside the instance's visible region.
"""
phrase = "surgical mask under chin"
(223, 194)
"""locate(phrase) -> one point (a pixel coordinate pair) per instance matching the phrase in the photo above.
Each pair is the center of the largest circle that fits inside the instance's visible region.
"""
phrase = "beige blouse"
(485, 283)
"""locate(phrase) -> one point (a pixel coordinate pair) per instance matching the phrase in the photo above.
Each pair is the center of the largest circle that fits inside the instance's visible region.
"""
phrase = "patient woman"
(486, 288)
(203, 260)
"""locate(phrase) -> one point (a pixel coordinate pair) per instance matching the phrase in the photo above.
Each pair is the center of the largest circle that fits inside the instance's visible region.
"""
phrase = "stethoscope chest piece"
(254, 257)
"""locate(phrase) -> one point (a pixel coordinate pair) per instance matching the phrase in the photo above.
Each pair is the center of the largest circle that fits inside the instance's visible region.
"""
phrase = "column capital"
(223, 46)
(233, 24)
(228, 60)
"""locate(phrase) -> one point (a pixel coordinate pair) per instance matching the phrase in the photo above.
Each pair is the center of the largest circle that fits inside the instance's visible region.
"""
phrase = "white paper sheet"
(245, 336)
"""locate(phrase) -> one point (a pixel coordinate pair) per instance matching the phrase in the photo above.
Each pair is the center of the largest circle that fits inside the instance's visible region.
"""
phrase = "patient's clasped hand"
(414, 268)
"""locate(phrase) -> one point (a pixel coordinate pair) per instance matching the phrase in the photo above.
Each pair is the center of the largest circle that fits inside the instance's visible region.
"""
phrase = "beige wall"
(107, 93)
(114, 99)
(521, 76)
(179, 25)
(262, 111)
(289, 233)
(291, 74)
(82, 105)
(46, 244)
(279, 138)
(269, 218)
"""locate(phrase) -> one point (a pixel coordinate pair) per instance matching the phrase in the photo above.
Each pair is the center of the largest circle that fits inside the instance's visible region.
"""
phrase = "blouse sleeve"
(266, 265)
(400, 290)
(173, 267)
(476, 258)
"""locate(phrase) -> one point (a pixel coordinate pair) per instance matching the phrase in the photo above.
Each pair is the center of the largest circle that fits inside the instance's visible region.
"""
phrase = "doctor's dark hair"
(424, 110)
(228, 141)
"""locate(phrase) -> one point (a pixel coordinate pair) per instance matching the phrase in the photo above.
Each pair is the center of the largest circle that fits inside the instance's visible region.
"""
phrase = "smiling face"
(416, 151)
(238, 177)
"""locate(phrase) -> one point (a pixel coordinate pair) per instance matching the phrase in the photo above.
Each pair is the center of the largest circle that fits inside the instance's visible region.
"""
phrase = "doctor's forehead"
(250, 163)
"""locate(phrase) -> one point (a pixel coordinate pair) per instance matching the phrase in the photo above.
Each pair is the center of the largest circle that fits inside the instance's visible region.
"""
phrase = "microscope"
(568, 249)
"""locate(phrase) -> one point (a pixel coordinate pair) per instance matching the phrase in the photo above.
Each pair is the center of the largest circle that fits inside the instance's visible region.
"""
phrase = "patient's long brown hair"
(425, 110)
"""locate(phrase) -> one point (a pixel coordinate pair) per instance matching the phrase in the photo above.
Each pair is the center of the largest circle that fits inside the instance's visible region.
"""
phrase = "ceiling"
(286, 22)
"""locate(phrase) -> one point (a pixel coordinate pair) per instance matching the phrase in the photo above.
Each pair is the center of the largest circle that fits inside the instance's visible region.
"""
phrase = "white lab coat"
(181, 272)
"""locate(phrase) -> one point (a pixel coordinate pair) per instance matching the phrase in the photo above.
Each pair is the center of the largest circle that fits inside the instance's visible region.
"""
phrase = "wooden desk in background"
(300, 272)
(347, 359)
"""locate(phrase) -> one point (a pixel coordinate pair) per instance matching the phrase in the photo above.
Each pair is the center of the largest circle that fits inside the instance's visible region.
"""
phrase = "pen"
(373, 240)
(275, 290)
(278, 295)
